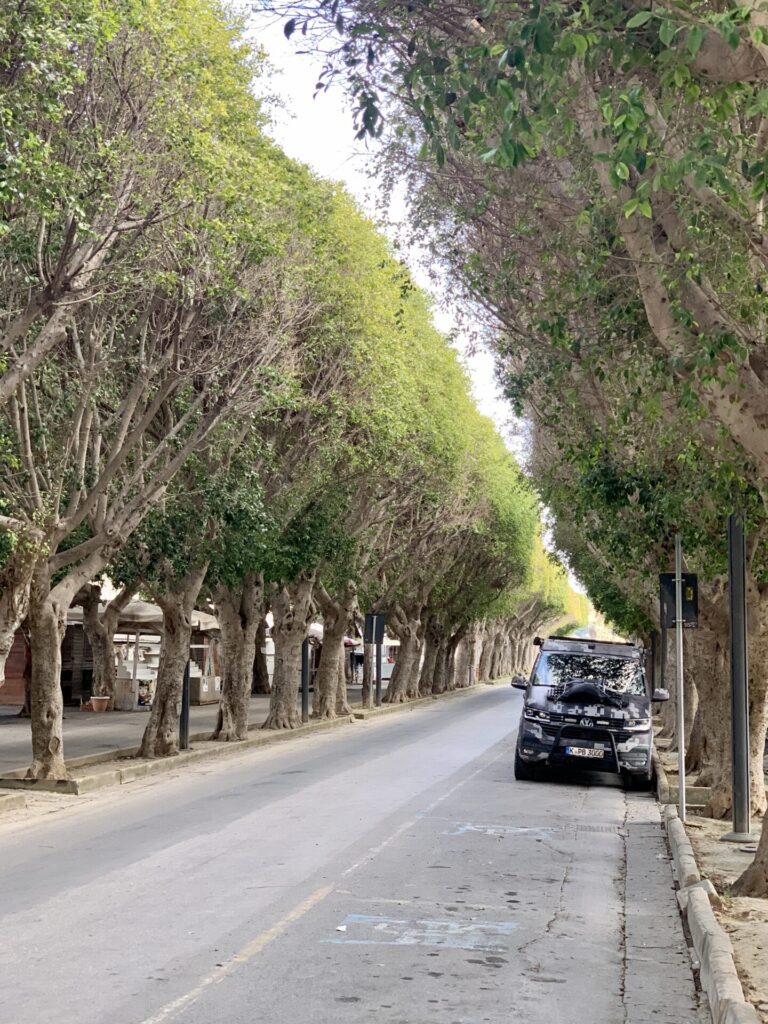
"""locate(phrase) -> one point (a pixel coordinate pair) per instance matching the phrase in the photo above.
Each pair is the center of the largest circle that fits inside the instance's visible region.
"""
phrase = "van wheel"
(524, 772)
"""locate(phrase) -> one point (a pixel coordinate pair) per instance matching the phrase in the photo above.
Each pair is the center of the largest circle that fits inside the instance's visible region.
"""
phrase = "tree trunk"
(440, 678)
(161, 735)
(291, 610)
(329, 669)
(754, 881)
(330, 684)
(431, 644)
(240, 611)
(100, 628)
(47, 619)
(486, 655)
(343, 709)
(261, 682)
(407, 664)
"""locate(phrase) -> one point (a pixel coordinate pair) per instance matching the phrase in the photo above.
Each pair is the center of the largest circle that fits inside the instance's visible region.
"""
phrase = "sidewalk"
(88, 733)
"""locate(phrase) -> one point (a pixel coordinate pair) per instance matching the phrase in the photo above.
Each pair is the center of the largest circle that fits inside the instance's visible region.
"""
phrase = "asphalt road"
(391, 871)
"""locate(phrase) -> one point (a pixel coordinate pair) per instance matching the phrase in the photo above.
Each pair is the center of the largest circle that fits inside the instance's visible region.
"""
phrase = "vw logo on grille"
(585, 721)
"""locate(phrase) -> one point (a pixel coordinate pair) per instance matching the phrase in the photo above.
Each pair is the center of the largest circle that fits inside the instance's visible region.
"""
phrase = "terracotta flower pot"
(99, 703)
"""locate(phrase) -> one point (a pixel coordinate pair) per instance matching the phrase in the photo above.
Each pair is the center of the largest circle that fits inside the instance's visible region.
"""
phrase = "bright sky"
(319, 132)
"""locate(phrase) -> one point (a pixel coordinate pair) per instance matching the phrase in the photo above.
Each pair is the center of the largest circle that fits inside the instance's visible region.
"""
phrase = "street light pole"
(679, 673)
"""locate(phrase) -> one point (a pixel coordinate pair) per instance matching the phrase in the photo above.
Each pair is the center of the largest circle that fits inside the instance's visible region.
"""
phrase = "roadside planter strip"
(713, 948)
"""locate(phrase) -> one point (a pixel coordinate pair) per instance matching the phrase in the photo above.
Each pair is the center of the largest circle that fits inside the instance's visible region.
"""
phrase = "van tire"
(524, 772)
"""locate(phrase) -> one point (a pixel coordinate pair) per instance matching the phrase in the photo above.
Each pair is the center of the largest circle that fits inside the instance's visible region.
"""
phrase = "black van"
(587, 706)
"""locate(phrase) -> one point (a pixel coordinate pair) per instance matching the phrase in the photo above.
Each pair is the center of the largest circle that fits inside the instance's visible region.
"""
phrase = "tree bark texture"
(330, 684)
(261, 682)
(100, 628)
(486, 655)
(431, 645)
(161, 735)
(47, 621)
(406, 628)
(239, 610)
(292, 611)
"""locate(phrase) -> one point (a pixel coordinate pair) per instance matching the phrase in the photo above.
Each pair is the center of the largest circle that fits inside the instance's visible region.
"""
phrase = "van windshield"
(616, 674)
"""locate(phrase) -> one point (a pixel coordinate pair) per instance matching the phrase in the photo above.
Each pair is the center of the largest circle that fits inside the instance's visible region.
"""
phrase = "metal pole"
(654, 655)
(184, 721)
(378, 675)
(305, 672)
(679, 674)
(737, 587)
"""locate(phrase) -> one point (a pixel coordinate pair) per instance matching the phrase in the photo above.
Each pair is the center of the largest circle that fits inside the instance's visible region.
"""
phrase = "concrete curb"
(143, 769)
(385, 709)
(12, 802)
(662, 782)
(719, 977)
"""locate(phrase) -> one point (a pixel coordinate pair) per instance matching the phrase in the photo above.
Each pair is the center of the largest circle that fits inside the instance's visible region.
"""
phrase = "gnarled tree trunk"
(261, 682)
(161, 735)
(431, 644)
(100, 628)
(406, 628)
(486, 655)
(440, 677)
(240, 610)
(330, 684)
(47, 621)
(291, 610)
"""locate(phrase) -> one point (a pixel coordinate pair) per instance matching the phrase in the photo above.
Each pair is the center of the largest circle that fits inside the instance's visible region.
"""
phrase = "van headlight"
(638, 725)
(536, 715)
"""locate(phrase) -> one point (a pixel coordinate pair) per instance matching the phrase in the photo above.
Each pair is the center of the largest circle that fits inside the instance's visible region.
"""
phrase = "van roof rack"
(588, 640)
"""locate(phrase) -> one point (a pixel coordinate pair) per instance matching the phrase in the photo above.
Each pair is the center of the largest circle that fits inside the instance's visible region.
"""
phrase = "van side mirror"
(659, 695)
(520, 682)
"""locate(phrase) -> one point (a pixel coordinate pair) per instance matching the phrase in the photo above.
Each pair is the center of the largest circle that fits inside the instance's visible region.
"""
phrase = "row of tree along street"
(217, 384)
(595, 175)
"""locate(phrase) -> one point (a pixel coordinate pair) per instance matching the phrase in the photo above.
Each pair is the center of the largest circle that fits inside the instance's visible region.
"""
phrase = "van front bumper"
(548, 743)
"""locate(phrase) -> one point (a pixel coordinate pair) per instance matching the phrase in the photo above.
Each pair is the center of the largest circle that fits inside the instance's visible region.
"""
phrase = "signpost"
(373, 633)
(678, 607)
(737, 588)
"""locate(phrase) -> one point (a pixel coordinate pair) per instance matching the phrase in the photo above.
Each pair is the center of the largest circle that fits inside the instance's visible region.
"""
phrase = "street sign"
(690, 600)
(373, 628)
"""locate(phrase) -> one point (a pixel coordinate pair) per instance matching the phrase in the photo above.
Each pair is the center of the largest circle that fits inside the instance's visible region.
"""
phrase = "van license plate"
(585, 751)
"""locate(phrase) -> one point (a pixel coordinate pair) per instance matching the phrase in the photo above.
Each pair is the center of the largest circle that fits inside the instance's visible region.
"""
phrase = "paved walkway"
(89, 733)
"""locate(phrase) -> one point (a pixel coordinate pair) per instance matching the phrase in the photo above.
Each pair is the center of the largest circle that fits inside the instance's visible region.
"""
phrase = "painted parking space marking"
(373, 930)
(461, 828)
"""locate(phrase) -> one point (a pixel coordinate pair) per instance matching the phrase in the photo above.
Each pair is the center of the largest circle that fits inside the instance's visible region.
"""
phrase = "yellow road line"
(248, 952)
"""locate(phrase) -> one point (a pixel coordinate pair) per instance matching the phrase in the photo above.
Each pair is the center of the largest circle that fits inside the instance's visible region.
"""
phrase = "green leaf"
(641, 18)
(695, 37)
(622, 171)
(667, 31)
(543, 37)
